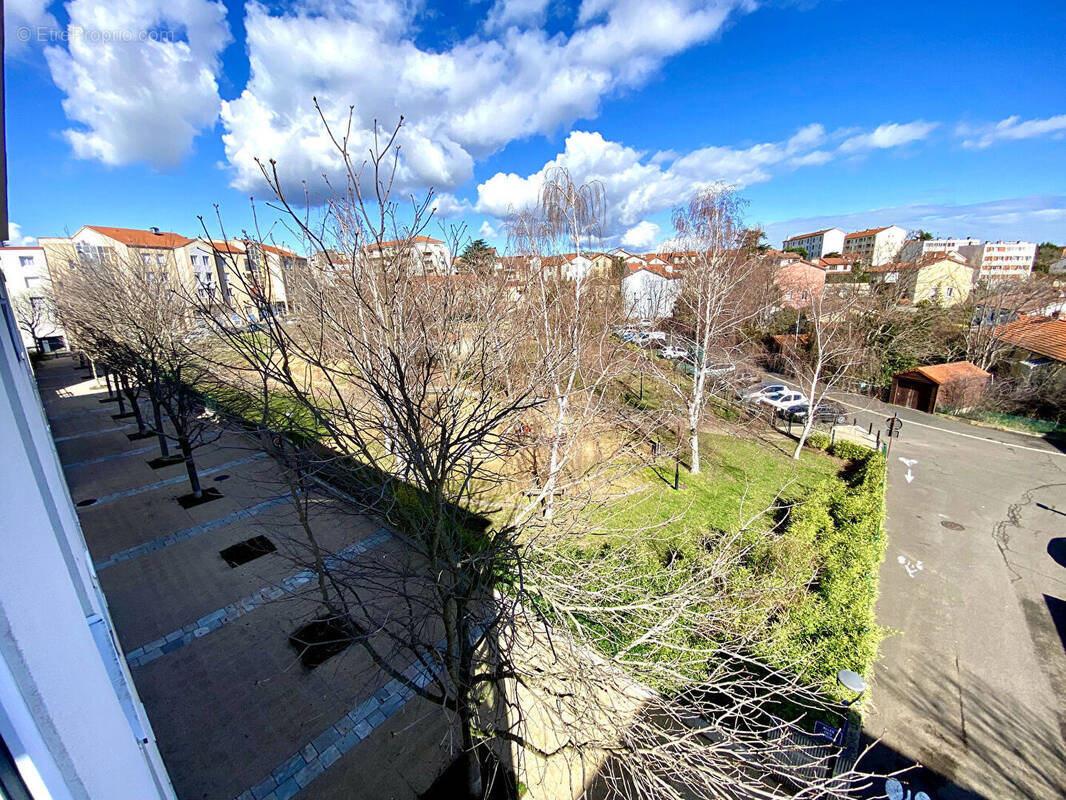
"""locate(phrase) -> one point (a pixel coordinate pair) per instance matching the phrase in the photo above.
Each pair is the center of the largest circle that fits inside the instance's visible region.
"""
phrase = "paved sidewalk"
(234, 712)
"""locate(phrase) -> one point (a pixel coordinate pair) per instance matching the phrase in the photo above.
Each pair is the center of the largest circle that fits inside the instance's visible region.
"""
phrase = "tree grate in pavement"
(248, 550)
(190, 500)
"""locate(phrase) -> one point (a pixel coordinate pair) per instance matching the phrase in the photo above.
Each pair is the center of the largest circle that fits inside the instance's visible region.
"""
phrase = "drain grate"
(952, 526)
(248, 550)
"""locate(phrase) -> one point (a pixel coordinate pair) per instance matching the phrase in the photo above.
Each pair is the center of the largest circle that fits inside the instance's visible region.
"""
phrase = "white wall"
(32, 279)
(69, 713)
(646, 295)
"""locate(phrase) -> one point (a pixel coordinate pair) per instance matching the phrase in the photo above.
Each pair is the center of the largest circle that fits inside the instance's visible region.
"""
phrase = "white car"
(673, 353)
(781, 400)
(645, 338)
(753, 393)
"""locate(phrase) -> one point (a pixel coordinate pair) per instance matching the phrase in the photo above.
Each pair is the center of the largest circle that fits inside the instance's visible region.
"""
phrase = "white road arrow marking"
(909, 476)
(908, 462)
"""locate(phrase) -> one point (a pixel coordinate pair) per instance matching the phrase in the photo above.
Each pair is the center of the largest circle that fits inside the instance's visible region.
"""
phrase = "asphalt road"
(972, 683)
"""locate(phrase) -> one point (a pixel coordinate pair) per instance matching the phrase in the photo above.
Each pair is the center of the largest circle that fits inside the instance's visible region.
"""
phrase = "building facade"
(916, 248)
(876, 246)
(71, 722)
(998, 260)
(25, 274)
(942, 278)
(819, 243)
(649, 292)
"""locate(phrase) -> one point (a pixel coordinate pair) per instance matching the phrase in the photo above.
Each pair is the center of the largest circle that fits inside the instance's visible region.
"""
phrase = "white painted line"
(957, 433)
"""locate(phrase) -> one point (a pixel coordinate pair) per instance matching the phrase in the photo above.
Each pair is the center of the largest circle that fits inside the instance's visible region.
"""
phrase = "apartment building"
(998, 260)
(422, 255)
(916, 248)
(942, 278)
(876, 246)
(71, 722)
(235, 273)
(25, 274)
(819, 243)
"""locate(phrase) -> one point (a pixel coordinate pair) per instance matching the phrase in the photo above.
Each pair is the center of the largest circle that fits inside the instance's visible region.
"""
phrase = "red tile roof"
(956, 370)
(134, 237)
(869, 232)
(655, 269)
(805, 235)
(1040, 335)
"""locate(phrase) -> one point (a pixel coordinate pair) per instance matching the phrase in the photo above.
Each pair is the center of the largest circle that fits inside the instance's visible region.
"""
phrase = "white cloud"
(638, 185)
(891, 134)
(141, 78)
(462, 102)
(17, 239)
(641, 235)
(488, 231)
(1014, 127)
(1036, 218)
(22, 21)
(507, 13)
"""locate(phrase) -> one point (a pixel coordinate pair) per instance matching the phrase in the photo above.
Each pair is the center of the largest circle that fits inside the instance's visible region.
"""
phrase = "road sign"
(894, 424)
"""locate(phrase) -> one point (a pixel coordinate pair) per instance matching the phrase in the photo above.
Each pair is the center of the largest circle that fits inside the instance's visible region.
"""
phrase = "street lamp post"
(853, 682)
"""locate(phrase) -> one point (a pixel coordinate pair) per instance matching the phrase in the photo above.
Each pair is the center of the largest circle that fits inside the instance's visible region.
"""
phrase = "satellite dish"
(894, 789)
(852, 681)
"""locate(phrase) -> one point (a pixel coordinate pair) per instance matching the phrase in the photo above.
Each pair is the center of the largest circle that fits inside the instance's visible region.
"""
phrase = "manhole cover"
(953, 526)
(88, 502)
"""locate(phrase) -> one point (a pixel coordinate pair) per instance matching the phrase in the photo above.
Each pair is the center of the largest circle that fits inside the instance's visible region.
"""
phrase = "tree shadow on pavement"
(971, 742)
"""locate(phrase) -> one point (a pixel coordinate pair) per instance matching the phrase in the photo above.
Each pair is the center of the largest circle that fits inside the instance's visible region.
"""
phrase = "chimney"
(155, 230)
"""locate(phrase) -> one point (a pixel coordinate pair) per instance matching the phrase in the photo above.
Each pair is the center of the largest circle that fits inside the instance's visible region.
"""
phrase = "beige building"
(226, 273)
(942, 278)
(423, 254)
(876, 246)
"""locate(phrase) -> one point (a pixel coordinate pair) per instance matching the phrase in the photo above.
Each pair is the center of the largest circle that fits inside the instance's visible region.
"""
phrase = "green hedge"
(818, 440)
(835, 541)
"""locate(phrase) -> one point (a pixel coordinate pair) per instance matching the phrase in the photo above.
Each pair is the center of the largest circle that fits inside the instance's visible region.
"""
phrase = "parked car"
(645, 338)
(753, 392)
(672, 353)
(826, 411)
(625, 334)
(781, 400)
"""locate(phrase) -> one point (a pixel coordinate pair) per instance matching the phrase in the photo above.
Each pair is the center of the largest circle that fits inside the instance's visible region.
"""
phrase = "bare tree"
(138, 321)
(989, 306)
(422, 386)
(35, 314)
(714, 300)
(822, 356)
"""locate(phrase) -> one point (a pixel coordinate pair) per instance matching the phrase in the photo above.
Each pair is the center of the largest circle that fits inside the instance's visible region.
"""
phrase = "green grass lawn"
(1011, 422)
(738, 478)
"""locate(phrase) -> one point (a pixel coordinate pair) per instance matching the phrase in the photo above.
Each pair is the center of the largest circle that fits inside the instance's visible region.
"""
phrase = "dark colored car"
(825, 411)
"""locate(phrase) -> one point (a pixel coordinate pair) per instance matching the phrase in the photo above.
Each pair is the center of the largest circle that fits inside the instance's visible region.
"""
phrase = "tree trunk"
(803, 435)
(107, 378)
(473, 767)
(134, 406)
(190, 467)
(164, 450)
(118, 394)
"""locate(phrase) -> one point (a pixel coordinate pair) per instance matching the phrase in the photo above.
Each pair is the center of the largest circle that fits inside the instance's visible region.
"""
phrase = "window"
(949, 291)
(146, 259)
(934, 291)
(160, 259)
(32, 281)
(25, 261)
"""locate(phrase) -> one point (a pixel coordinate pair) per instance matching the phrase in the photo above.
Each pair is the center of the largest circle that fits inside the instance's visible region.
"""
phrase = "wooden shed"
(959, 384)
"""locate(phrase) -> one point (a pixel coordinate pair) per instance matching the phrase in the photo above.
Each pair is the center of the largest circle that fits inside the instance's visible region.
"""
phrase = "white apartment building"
(817, 244)
(649, 292)
(876, 246)
(25, 273)
(424, 254)
(996, 260)
(71, 723)
(914, 249)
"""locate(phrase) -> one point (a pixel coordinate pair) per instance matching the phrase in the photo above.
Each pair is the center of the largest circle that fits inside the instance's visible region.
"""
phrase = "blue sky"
(949, 115)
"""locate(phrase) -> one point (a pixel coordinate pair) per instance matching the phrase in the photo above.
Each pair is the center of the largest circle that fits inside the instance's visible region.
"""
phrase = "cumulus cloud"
(888, 135)
(639, 185)
(22, 21)
(461, 102)
(1035, 218)
(488, 231)
(140, 77)
(978, 137)
(641, 235)
(17, 239)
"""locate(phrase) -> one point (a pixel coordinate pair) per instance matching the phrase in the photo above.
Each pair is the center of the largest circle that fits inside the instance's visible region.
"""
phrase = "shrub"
(850, 451)
(818, 440)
